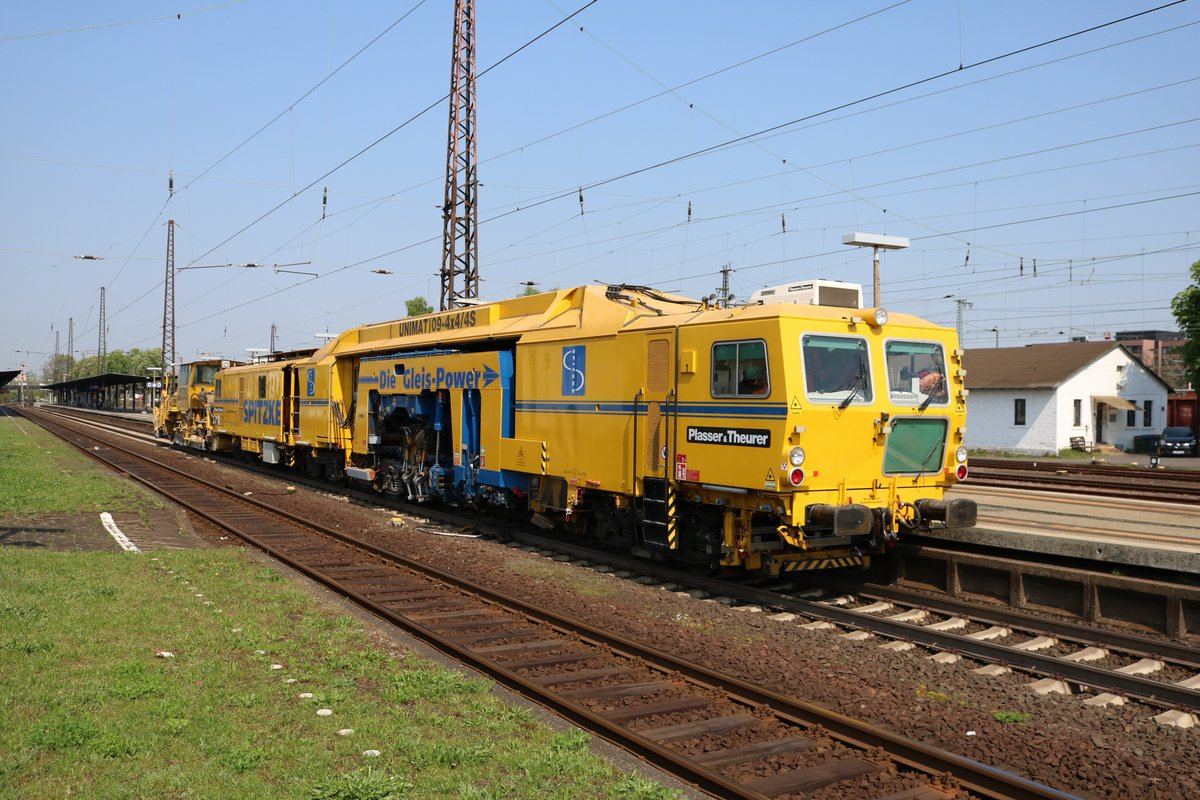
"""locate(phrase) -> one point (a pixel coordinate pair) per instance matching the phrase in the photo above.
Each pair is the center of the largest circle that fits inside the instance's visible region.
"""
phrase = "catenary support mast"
(460, 214)
(168, 338)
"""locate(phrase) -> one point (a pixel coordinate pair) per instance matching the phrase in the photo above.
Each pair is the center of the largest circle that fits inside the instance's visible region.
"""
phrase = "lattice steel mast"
(102, 350)
(460, 215)
(168, 340)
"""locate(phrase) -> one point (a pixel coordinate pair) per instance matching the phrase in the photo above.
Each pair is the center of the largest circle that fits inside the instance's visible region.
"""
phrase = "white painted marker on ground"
(110, 525)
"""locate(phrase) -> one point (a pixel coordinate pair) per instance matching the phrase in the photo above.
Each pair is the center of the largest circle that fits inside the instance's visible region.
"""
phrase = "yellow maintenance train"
(799, 432)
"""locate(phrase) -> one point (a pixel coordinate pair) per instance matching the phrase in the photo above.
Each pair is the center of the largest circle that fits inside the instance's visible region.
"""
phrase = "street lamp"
(997, 332)
(876, 241)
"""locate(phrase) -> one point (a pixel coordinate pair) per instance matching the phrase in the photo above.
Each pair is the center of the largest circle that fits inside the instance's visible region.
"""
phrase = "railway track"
(1142, 483)
(726, 736)
(1105, 663)
(1110, 664)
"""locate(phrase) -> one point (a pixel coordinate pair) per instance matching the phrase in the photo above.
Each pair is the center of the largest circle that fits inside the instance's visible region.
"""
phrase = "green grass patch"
(45, 475)
(90, 710)
(1012, 717)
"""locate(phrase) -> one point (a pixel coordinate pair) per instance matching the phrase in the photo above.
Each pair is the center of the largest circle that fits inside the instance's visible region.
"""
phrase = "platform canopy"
(7, 376)
(98, 382)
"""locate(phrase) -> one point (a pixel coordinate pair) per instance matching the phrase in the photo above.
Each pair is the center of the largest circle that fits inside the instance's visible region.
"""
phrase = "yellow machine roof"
(579, 312)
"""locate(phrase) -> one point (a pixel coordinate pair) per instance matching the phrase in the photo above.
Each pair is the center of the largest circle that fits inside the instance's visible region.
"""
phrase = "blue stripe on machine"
(756, 410)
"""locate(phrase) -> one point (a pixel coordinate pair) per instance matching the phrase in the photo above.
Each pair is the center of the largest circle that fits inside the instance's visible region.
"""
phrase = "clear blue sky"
(1082, 154)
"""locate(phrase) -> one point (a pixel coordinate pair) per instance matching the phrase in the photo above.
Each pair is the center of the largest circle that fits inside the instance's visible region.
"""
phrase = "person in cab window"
(754, 379)
(932, 383)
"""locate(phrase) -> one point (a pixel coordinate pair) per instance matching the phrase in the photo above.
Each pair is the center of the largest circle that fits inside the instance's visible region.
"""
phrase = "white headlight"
(880, 317)
(796, 457)
(961, 454)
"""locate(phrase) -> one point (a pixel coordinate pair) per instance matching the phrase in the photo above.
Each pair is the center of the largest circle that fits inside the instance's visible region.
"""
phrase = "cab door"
(656, 441)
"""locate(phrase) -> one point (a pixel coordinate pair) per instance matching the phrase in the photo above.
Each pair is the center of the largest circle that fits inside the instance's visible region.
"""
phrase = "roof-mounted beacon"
(812, 293)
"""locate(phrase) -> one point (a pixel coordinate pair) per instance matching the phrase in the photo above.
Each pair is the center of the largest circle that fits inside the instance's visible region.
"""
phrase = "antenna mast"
(460, 215)
(274, 329)
(70, 347)
(168, 341)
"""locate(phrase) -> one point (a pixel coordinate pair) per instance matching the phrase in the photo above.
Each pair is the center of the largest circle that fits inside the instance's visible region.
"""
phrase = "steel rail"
(1144, 689)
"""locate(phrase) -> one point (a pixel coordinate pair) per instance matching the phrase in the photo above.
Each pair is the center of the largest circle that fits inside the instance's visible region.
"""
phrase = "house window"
(1130, 418)
(1147, 408)
(1019, 411)
(1078, 413)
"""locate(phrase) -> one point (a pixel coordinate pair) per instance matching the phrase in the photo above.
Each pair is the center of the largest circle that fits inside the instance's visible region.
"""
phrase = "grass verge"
(45, 475)
(92, 711)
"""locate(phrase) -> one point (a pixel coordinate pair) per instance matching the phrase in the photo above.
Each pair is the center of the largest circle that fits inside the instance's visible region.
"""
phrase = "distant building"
(1158, 350)
(1036, 399)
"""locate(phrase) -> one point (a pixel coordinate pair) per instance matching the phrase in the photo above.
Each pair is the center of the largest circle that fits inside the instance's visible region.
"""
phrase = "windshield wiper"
(858, 381)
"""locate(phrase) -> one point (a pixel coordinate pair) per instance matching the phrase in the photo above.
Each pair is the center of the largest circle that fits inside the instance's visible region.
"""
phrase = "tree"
(134, 362)
(418, 306)
(1186, 308)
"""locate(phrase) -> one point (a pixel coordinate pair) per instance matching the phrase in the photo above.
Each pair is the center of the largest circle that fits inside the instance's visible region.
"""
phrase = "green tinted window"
(915, 445)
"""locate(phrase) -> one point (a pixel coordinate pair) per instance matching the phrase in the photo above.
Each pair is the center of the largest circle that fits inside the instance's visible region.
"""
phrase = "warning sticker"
(769, 481)
(795, 403)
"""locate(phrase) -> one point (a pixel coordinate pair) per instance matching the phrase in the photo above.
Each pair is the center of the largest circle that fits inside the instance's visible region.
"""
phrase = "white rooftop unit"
(812, 293)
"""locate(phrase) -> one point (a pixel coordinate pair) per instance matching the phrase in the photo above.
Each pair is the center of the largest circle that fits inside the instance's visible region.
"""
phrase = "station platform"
(116, 412)
(1133, 533)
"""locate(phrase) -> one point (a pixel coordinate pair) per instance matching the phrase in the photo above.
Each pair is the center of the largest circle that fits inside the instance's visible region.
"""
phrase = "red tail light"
(961, 472)
(796, 476)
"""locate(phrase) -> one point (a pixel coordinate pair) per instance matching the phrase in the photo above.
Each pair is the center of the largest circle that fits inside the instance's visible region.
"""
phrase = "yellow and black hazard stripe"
(545, 457)
(809, 564)
(672, 526)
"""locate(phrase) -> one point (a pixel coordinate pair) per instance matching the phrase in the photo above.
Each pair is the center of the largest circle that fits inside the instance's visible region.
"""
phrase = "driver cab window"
(739, 369)
(916, 373)
(836, 369)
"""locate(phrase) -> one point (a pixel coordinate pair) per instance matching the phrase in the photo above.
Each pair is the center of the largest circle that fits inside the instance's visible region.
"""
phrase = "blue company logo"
(574, 374)
(312, 382)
